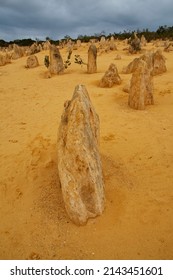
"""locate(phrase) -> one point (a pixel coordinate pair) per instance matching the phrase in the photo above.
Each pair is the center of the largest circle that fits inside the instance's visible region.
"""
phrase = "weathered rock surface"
(111, 77)
(79, 163)
(112, 46)
(168, 47)
(34, 48)
(141, 87)
(78, 43)
(143, 41)
(102, 44)
(92, 59)
(2, 60)
(32, 61)
(56, 65)
(5, 59)
(46, 45)
(17, 52)
(118, 57)
(149, 59)
(126, 87)
(135, 45)
(155, 62)
(159, 65)
(130, 68)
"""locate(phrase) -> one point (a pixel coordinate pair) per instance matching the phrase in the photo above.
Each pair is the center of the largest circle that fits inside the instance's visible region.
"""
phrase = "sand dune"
(137, 156)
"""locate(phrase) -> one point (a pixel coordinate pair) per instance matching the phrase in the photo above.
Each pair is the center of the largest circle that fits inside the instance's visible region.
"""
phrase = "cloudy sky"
(57, 18)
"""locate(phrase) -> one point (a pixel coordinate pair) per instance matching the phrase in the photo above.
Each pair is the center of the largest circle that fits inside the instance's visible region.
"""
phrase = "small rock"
(111, 77)
(32, 61)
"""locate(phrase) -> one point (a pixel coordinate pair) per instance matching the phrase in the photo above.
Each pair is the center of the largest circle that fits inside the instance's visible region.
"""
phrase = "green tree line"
(163, 32)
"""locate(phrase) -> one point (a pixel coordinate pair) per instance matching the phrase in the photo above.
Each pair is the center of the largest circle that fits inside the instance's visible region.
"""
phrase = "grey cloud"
(57, 18)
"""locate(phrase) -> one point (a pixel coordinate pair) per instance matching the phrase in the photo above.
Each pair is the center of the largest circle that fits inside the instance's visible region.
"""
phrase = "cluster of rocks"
(70, 44)
(135, 44)
(14, 52)
(18, 52)
(79, 163)
(156, 62)
(141, 85)
(107, 45)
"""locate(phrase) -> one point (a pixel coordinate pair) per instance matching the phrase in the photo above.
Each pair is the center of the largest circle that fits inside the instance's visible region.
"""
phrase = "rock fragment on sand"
(118, 57)
(79, 163)
(32, 61)
(111, 77)
(92, 59)
(141, 87)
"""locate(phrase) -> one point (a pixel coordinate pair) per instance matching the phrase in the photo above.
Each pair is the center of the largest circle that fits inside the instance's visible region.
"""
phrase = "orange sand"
(137, 157)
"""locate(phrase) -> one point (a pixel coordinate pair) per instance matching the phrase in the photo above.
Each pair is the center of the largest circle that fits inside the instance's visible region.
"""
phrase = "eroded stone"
(79, 163)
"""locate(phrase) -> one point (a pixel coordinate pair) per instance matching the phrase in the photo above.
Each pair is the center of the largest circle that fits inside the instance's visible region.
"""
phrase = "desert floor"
(137, 156)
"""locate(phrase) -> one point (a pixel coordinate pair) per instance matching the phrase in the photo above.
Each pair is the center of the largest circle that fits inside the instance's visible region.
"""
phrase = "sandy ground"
(137, 157)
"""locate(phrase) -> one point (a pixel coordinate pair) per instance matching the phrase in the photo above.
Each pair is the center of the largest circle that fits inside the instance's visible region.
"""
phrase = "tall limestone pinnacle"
(79, 163)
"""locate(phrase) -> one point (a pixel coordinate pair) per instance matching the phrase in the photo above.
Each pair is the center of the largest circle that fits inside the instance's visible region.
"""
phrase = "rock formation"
(141, 87)
(2, 60)
(159, 66)
(135, 44)
(143, 41)
(112, 46)
(111, 77)
(92, 59)
(17, 52)
(102, 44)
(56, 65)
(79, 164)
(130, 68)
(155, 62)
(46, 45)
(78, 42)
(149, 59)
(118, 57)
(32, 61)
(34, 48)
(168, 47)
(5, 59)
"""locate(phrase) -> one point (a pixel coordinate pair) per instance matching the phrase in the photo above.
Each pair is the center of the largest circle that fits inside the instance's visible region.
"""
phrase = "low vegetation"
(163, 32)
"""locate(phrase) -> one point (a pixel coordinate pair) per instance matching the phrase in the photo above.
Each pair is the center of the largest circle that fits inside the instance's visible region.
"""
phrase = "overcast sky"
(57, 18)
